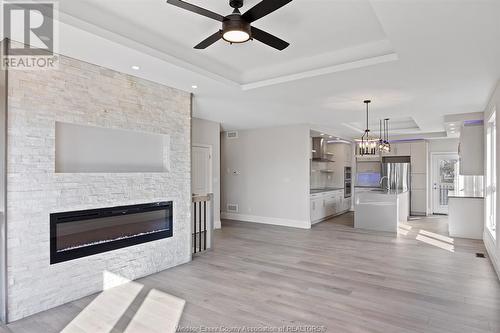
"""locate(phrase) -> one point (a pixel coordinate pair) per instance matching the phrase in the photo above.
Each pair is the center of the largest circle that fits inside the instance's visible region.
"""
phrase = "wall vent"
(232, 135)
(232, 208)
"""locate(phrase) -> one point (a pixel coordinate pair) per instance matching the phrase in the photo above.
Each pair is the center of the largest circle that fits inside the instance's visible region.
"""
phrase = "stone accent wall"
(86, 94)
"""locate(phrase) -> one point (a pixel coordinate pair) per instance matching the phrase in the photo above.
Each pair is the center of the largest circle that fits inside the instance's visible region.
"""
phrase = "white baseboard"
(217, 224)
(489, 243)
(267, 220)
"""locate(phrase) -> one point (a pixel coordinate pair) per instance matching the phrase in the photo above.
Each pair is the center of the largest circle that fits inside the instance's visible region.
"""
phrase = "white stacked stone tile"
(82, 93)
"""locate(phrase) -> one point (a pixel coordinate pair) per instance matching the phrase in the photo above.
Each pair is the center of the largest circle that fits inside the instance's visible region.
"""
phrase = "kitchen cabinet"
(471, 150)
(398, 149)
(418, 202)
(403, 149)
(330, 204)
(466, 216)
(317, 209)
(327, 204)
(345, 204)
(418, 153)
(419, 181)
(393, 152)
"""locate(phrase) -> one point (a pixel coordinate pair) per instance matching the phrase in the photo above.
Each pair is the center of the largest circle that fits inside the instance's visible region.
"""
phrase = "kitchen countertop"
(466, 194)
(387, 192)
(325, 189)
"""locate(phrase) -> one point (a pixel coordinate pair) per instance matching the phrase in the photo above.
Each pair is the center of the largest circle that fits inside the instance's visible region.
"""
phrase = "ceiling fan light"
(236, 36)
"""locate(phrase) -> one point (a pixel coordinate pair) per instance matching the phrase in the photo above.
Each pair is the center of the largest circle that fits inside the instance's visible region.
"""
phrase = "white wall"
(438, 146)
(492, 246)
(266, 172)
(208, 133)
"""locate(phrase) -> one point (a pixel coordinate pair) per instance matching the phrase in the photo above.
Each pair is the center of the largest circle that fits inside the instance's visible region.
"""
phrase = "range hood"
(319, 151)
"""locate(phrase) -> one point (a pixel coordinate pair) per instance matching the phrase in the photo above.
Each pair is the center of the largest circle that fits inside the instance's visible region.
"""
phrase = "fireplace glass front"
(82, 233)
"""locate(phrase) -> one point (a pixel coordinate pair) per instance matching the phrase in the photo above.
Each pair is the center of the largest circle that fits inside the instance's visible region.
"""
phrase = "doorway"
(201, 166)
(444, 174)
(491, 178)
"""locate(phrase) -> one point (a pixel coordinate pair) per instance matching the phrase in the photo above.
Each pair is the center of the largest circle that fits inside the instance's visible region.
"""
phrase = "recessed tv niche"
(91, 149)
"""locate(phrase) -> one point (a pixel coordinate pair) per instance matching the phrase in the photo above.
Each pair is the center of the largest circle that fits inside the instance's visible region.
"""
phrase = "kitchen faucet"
(382, 179)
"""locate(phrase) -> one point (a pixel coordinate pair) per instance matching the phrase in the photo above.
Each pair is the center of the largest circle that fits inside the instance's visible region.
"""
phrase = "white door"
(201, 170)
(444, 173)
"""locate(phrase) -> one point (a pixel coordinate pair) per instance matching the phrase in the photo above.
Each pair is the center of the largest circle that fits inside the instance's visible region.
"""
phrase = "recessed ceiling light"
(330, 136)
(194, 86)
(136, 68)
(322, 134)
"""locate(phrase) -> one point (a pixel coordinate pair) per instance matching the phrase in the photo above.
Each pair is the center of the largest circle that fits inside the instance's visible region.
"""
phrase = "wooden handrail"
(198, 198)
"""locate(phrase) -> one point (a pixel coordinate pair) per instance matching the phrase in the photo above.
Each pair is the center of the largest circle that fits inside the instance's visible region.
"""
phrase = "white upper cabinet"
(471, 150)
(399, 149)
(403, 149)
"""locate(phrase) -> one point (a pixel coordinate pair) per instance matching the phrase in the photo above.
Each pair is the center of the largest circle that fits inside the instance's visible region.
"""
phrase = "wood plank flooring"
(333, 276)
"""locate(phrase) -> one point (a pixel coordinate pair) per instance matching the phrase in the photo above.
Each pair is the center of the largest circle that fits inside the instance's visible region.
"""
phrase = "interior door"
(201, 170)
(444, 173)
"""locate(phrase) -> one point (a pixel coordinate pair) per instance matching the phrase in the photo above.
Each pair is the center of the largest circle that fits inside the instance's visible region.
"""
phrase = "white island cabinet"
(380, 210)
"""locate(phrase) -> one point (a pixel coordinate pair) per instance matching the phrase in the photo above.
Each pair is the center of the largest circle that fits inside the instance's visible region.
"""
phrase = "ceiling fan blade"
(209, 41)
(269, 39)
(196, 9)
(263, 8)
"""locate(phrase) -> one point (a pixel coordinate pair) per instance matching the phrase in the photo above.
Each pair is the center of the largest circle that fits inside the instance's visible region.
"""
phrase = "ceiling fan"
(236, 27)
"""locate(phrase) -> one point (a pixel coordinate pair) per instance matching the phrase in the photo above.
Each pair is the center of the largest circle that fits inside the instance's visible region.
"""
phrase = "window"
(491, 181)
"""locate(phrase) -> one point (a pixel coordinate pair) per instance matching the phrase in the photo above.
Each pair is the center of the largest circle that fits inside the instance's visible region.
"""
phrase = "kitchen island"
(380, 210)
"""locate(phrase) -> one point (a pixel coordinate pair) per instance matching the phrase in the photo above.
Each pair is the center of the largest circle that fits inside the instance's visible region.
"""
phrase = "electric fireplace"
(83, 233)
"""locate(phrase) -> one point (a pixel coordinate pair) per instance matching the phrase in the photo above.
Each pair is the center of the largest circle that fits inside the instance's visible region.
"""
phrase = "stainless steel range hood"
(319, 150)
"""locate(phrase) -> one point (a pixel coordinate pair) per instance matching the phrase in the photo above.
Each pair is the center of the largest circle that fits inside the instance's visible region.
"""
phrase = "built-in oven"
(347, 189)
(347, 182)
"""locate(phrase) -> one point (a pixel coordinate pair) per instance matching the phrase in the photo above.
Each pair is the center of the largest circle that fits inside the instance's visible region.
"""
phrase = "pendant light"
(380, 138)
(383, 142)
(387, 145)
(368, 145)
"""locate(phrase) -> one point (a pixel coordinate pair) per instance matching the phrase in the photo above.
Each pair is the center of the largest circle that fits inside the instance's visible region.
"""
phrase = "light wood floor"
(333, 275)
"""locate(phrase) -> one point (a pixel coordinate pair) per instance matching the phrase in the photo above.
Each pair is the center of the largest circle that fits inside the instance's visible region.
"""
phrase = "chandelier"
(368, 145)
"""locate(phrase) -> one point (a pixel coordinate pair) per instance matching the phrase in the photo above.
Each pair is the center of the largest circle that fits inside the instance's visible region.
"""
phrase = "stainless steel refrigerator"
(396, 170)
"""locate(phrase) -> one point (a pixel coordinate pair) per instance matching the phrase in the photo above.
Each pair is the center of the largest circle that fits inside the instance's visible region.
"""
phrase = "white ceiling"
(418, 60)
